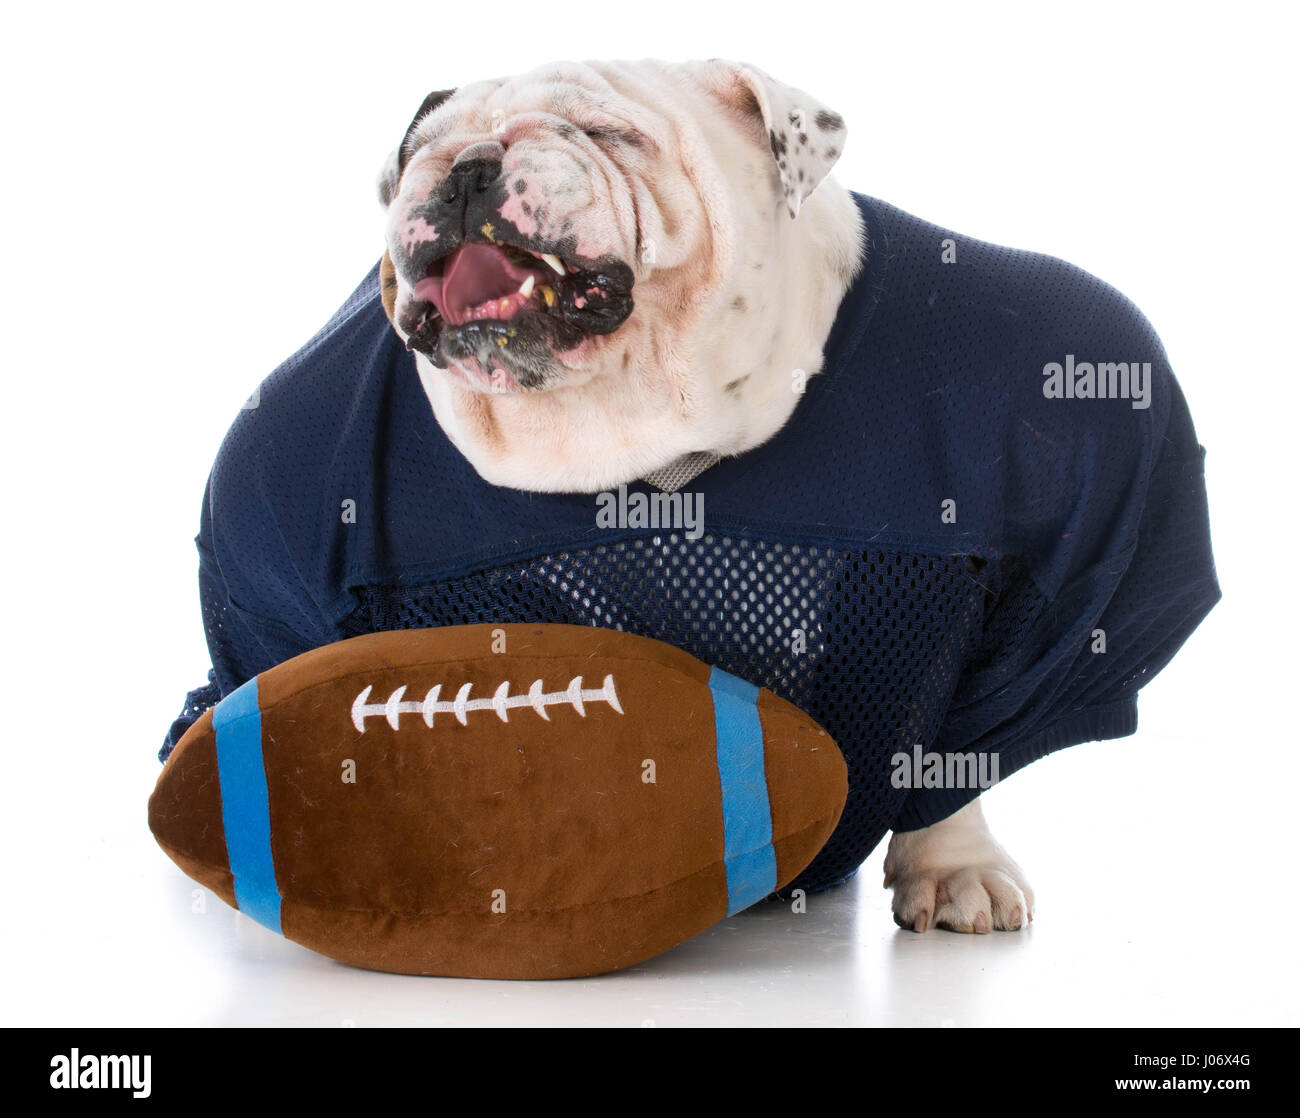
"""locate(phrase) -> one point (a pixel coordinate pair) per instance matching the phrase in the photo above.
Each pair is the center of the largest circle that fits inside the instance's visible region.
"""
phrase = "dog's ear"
(805, 137)
(391, 173)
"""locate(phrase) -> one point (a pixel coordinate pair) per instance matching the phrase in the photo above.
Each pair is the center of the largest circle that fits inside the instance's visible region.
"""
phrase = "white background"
(188, 195)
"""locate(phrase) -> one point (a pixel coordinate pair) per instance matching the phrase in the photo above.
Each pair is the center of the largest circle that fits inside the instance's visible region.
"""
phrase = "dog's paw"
(955, 875)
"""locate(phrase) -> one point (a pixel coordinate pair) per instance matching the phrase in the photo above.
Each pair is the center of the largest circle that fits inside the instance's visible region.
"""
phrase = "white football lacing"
(501, 702)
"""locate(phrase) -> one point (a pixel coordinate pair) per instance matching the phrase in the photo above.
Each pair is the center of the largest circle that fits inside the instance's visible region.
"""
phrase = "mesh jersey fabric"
(827, 570)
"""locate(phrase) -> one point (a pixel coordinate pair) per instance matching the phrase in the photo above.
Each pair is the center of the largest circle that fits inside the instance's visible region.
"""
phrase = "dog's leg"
(955, 875)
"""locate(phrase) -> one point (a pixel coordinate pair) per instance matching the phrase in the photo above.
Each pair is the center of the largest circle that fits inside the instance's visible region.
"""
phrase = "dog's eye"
(612, 136)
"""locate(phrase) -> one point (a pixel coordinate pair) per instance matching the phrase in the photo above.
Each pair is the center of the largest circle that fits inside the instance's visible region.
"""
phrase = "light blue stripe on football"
(245, 809)
(746, 811)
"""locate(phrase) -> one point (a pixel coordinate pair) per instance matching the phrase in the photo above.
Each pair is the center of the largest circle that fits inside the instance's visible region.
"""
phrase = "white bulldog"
(607, 268)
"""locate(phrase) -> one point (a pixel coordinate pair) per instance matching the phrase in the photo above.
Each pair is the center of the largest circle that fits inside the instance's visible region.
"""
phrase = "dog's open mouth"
(506, 296)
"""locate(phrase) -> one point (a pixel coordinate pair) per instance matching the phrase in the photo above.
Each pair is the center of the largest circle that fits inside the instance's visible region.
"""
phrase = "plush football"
(511, 801)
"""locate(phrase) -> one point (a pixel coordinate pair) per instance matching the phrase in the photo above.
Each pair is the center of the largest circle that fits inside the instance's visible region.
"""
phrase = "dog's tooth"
(554, 262)
(548, 294)
(526, 288)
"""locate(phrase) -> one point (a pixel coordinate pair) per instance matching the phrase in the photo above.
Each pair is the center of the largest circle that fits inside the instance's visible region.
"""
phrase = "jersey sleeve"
(240, 643)
(262, 523)
(1087, 602)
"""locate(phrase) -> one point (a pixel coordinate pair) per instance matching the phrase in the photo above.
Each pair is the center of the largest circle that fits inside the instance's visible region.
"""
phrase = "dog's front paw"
(955, 875)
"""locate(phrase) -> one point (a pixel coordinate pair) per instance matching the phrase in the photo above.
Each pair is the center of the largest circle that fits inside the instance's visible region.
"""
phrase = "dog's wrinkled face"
(513, 236)
(599, 268)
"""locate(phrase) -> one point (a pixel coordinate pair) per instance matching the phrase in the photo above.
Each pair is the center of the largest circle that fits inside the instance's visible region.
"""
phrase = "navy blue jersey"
(983, 529)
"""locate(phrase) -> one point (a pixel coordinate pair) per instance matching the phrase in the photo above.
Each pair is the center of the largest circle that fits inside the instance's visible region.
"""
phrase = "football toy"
(510, 801)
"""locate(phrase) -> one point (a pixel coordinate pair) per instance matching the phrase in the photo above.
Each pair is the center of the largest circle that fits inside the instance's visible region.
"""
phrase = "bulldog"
(605, 268)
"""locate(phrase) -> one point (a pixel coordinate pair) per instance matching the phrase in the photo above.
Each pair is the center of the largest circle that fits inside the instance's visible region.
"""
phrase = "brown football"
(497, 801)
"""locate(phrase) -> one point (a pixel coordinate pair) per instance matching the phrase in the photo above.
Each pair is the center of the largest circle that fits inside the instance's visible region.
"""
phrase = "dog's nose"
(469, 177)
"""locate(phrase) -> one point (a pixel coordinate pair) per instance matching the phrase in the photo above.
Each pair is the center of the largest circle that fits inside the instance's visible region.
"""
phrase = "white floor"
(1158, 905)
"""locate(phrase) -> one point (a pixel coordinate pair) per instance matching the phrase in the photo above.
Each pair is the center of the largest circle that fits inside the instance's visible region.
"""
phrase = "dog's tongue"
(472, 275)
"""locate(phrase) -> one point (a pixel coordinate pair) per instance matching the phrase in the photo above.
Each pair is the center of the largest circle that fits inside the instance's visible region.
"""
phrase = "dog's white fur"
(735, 290)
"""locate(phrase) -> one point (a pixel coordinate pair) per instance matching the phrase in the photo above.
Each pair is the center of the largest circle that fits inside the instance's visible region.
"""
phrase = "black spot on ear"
(803, 137)
(832, 153)
(431, 102)
(627, 359)
(526, 207)
(778, 143)
(738, 303)
(801, 174)
(520, 186)
(828, 121)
